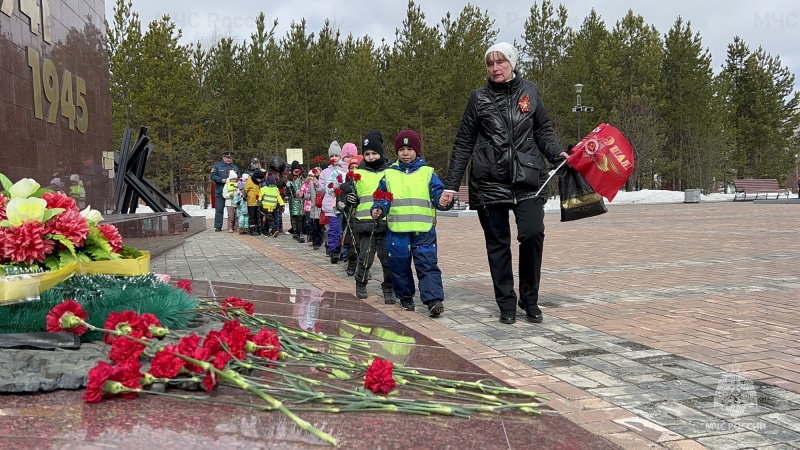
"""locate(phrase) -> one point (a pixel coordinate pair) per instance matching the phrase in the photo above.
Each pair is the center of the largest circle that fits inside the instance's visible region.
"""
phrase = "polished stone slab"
(61, 419)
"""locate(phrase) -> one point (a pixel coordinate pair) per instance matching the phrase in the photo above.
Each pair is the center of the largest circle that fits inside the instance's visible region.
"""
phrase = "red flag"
(605, 158)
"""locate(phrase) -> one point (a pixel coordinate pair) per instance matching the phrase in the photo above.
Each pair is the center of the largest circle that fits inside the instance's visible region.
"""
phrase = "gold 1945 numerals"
(58, 93)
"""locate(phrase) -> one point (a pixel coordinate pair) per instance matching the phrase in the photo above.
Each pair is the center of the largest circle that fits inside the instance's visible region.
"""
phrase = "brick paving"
(666, 326)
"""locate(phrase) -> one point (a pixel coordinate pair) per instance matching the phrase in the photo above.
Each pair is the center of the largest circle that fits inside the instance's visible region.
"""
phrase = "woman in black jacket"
(504, 117)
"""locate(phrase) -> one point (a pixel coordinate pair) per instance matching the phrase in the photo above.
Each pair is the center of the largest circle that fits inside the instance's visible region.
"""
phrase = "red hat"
(356, 160)
(409, 138)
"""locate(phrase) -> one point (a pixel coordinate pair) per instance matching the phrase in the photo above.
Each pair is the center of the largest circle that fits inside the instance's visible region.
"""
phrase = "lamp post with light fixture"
(580, 108)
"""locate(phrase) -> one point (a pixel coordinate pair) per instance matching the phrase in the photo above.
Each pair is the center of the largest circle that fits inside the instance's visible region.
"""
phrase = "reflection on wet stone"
(129, 423)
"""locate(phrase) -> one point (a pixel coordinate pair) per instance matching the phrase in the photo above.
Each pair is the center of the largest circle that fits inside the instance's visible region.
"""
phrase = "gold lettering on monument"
(47, 35)
(80, 102)
(59, 93)
(7, 7)
(37, 15)
(33, 63)
(31, 9)
(50, 78)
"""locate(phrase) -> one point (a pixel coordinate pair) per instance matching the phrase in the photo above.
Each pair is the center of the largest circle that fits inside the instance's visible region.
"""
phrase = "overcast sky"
(772, 24)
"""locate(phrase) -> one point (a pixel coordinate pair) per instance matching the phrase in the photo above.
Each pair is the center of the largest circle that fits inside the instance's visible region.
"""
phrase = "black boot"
(361, 290)
(388, 297)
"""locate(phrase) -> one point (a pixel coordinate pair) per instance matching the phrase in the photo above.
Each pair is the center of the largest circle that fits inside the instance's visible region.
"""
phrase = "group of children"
(363, 204)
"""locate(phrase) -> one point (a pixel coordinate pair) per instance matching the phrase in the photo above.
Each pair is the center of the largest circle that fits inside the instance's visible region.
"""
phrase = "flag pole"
(552, 172)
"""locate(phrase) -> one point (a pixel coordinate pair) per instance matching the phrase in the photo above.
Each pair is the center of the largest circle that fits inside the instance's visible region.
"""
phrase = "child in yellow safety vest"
(370, 234)
(271, 201)
(408, 196)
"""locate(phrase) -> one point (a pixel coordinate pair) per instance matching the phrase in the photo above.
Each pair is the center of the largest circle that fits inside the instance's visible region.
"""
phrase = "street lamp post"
(580, 108)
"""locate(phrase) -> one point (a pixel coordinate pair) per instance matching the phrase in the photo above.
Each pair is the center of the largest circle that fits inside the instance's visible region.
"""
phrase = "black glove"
(340, 206)
(351, 198)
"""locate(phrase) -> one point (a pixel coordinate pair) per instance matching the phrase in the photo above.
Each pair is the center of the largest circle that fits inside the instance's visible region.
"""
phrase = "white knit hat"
(232, 175)
(507, 50)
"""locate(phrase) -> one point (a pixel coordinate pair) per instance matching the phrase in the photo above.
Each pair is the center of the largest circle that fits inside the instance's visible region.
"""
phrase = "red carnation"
(61, 317)
(236, 341)
(220, 361)
(126, 322)
(339, 178)
(3, 202)
(319, 159)
(337, 192)
(151, 326)
(331, 162)
(97, 378)
(357, 176)
(230, 325)
(26, 243)
(71, 225)
(213, 341)
(128, 374)
(186, 285)
(59, 200)
(165, 364)
(379, 376)
(235, 337)
(124, 349)
(125, 374)
(190, 346)
(388, 196)
(330, 185)
(267, 338)
(237, 303)
(112, 234)
(379, 195)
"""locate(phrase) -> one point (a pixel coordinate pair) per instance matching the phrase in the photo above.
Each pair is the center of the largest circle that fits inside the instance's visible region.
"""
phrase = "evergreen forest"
(691, 126)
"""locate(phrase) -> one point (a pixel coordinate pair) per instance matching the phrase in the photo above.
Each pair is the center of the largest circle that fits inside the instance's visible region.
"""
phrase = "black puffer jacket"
(485, 138)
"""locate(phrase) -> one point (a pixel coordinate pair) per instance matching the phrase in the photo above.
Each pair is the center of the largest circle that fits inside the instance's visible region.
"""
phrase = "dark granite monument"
(55, 102)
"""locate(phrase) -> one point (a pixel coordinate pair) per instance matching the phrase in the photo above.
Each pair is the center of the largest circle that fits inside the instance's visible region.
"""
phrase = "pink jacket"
(329, 201)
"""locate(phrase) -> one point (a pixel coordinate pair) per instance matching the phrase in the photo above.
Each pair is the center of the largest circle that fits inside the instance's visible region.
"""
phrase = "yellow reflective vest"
(411, 210)
(270, 197)
(365, 187)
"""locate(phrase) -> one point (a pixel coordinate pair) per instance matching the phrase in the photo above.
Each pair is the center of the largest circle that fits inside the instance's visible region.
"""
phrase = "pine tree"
(169, 106)
(545, 38)
(630, 79)
(464, 43)
(580, 66)
(412, 69)
(224, 83)
(693, 150)
(124, 43)
(763, 110)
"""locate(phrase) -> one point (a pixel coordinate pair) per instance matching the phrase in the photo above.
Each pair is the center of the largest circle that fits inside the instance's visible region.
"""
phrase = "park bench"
(462, 198)
(756, 187)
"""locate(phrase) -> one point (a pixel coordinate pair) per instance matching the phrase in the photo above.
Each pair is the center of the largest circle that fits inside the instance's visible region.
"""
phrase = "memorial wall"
(55, 103)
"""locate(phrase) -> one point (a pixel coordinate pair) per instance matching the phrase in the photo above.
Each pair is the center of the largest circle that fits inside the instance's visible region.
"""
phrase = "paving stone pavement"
(666, 326)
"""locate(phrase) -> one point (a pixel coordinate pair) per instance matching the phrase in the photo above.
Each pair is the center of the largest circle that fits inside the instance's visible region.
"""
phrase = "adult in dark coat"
(219, 175)
(503, 117)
